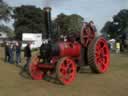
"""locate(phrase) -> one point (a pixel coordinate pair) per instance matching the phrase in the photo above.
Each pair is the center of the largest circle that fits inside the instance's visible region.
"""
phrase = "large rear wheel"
(99, 55)
(66, 70)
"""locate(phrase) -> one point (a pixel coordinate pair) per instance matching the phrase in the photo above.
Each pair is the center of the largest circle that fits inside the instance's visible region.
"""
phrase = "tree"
(5, 11)
(28, 19)
(5, 15)
(7, 30)
(118, 26)
(108, 30)
(69, 23)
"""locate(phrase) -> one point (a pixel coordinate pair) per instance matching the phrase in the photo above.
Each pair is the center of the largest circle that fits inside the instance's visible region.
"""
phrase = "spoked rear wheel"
(99, 55)
(35, 72)
(66, 70)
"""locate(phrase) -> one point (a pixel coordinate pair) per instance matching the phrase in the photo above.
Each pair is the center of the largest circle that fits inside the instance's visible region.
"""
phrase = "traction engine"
(65, 58)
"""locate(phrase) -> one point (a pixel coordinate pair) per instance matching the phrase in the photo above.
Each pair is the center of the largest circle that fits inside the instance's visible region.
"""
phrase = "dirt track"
(112, 83)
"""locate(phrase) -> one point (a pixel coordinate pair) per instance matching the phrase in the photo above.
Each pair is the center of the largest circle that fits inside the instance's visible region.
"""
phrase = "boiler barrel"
(69, 49)
(61, 49)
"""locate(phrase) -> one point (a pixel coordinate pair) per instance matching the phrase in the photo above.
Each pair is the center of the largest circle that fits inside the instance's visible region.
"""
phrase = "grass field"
(112, 83)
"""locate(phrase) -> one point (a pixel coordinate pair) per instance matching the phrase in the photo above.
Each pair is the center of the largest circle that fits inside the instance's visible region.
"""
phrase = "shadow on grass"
(84, 70)
(52, 79)
(24, 74)
(47, 78)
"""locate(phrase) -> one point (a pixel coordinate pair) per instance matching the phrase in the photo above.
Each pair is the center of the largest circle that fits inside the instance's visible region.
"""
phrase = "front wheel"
(35, 72)
(66, 70)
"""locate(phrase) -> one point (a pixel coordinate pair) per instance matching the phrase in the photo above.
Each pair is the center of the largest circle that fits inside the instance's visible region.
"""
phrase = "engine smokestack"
(48, 22)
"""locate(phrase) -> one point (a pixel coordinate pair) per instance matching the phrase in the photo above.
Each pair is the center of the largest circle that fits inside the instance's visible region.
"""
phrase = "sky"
(100, 11)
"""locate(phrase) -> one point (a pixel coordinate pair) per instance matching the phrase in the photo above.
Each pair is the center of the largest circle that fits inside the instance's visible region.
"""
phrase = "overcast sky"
(99, 11)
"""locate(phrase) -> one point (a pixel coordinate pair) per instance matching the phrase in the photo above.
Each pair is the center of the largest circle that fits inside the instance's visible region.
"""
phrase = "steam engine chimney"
(48, 22)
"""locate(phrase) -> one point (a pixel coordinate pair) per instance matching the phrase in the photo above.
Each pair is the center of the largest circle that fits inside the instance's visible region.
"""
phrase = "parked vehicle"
(63, 59)
(34, 38)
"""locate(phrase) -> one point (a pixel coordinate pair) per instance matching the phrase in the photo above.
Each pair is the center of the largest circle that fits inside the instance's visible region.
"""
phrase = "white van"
(34, 38)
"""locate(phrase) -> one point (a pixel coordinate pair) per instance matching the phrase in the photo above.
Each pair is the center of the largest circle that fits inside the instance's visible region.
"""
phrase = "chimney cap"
(47, 9)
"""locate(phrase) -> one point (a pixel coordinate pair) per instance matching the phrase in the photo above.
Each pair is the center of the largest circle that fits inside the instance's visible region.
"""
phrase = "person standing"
(7, 52)
(27, 54)
(18, 53)
(11, 53)
(117, 47)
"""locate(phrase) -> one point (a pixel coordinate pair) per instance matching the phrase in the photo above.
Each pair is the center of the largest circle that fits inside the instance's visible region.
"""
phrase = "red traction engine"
(65, 58)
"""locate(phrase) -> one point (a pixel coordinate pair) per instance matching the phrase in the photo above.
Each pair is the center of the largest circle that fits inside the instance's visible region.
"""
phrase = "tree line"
(118, 26)
(30, 19)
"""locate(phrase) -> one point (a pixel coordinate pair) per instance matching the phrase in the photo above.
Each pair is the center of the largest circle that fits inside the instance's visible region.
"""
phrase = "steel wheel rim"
(67, 71)
(35, 71)
(102, 55)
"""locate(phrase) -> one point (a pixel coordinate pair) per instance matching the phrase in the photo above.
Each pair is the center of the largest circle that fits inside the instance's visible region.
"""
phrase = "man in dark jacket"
(27, 54)
(7, 52)
(11, 53)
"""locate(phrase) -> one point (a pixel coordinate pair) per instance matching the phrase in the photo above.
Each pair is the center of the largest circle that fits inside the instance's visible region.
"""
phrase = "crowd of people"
(13, 51)
(115, 46)
(13, 54)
